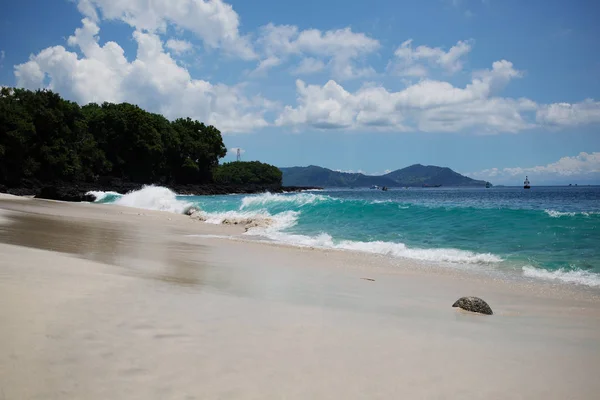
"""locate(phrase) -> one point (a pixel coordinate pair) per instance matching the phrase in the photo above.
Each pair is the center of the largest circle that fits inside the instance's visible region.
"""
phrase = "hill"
(414, 175)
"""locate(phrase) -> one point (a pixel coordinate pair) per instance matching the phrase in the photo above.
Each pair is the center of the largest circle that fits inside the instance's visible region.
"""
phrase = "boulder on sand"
(473, 304)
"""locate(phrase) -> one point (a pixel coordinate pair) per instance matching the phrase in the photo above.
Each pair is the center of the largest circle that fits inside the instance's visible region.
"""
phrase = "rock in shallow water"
(473, 304)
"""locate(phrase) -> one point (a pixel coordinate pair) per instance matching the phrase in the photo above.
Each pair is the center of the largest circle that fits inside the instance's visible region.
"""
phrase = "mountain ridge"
(415, 175)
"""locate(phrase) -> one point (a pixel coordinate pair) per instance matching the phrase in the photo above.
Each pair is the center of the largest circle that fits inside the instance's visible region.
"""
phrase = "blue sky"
(496, 89)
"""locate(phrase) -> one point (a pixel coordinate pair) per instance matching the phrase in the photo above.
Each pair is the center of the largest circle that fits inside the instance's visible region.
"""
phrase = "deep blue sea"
(550, 233)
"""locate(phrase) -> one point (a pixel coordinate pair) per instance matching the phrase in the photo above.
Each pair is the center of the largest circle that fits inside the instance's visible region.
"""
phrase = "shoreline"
(109, 301)
(236, 232)
(192, 230)
(77, 191)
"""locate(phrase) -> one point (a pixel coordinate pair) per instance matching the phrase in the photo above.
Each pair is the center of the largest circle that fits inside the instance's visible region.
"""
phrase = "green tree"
(244, 172)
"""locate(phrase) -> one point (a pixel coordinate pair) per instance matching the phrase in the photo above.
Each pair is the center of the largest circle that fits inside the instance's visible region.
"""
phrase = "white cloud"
(584, 166)
(179, 46)
(340, 49)
(213, 21)
(426, 106)
(565, 114)
(309, 65)
(153, 80)
(413, 62)
(265, 65)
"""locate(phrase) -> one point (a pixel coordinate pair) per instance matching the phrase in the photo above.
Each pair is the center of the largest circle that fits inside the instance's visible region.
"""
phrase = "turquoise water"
(546, 232)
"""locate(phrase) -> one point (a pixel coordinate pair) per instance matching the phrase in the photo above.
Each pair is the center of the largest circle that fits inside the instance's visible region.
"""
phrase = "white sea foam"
(154, 198)
(277, 222)
(325, 241)
(558, 214)
(100, 195)
(577, 276)
(300, 199)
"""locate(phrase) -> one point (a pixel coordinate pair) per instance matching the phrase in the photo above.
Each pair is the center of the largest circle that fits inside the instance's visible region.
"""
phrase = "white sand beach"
(109, 302)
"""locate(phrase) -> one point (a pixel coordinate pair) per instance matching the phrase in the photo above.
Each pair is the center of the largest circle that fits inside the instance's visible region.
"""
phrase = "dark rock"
(3, 189)
(76, 191)
(64, 193)
(473, 304)
(22, 191)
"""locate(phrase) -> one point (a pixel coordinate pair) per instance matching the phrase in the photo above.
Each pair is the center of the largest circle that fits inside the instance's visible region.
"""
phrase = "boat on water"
(526, 184)
(431, 186)
(488, 185)
(375, 187)
(384, 188)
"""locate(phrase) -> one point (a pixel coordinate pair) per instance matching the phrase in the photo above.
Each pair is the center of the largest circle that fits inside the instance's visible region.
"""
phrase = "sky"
(495, 89)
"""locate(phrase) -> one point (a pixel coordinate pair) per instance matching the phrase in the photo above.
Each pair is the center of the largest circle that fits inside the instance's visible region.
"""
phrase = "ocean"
(549, 233)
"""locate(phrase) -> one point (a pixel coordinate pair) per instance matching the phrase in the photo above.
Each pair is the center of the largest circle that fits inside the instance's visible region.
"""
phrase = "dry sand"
(106, 302)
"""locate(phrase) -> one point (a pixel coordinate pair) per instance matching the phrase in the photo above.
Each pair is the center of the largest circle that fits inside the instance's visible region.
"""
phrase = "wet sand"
(107, 302)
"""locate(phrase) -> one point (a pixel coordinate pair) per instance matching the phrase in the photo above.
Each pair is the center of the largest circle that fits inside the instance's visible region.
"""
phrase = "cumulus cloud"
(566, 114)
(426, 106)
(90, 71)
(584, 166)
(178, 46)
(309, 65)
(153, 81)
(413, 62)
(213, 21)
(337, 49)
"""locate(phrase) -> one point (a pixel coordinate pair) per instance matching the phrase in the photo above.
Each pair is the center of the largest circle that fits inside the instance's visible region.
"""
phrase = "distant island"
(416, 175)
(55, 149)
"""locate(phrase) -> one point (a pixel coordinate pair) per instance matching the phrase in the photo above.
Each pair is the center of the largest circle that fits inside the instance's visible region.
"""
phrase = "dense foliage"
(253, 172)
(46, 138)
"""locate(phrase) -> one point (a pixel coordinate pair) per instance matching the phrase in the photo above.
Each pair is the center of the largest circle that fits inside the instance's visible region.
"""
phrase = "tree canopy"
(46, 138)
(247, 172)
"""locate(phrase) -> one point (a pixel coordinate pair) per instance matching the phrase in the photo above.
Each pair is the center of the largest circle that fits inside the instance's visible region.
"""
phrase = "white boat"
(526, 183)
(375, 187)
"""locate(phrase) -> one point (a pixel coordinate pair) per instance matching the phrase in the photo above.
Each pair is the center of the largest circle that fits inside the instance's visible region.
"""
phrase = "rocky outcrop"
(473, 304)
(64, 193)
(76, 191)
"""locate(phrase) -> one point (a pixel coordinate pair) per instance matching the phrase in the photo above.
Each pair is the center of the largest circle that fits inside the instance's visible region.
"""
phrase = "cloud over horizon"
(156, 78)
(584, 167)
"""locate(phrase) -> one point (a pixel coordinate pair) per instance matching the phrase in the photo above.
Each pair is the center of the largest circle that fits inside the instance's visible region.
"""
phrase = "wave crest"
(154, 198)
(558, 214)
(101, 196)
(577, 276)
(325, 241)
(264, 199)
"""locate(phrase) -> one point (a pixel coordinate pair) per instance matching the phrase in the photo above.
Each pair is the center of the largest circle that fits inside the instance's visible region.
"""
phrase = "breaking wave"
(325, 241)
(577, 276)
(264, 199)
(558, 214)
(148, 198)
(103, 196)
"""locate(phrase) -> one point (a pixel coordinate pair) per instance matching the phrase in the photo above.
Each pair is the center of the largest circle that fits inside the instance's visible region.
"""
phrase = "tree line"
(46, 138)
